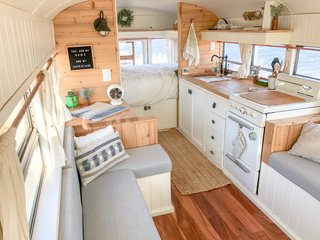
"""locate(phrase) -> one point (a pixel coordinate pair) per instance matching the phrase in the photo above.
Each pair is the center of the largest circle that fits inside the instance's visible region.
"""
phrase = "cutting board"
(271, 98)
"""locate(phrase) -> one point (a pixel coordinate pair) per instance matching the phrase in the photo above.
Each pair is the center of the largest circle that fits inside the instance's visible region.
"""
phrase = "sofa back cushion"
(68, 145)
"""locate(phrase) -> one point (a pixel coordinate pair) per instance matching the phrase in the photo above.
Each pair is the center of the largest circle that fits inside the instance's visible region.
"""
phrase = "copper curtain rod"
(40, 79)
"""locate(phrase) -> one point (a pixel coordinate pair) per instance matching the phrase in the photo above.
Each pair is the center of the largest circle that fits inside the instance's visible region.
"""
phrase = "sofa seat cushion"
(70, 225)
(114, 208)
(146, 161)
(301, 171)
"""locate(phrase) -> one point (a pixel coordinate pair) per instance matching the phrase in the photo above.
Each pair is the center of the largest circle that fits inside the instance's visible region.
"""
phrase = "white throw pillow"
(94, 160)
(92, 138)
(308, 143)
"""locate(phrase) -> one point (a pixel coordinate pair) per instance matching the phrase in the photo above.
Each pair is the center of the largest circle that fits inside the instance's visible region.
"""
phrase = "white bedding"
(150, 83)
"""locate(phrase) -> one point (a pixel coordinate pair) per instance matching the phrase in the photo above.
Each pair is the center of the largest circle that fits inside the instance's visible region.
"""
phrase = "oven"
(245, 167)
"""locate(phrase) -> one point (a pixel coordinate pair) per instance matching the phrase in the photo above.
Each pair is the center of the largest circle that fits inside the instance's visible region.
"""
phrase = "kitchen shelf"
(266, 37)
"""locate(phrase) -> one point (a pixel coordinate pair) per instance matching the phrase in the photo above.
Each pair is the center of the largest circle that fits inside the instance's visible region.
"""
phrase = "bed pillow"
(308, 143)
(92, 138)
(94, 160)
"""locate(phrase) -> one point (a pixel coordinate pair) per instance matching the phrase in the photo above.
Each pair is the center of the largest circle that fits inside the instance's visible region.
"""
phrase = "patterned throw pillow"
(94, 160)
(92, 138)
(308, 143)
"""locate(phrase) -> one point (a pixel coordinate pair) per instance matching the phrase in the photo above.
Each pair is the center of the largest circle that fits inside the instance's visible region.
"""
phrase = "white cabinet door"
(198, 116)
(185, 107)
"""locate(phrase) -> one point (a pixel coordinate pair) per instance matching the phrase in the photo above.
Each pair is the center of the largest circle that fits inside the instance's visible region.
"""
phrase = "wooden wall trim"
(280, 135)
(202, 19)
(134, 132)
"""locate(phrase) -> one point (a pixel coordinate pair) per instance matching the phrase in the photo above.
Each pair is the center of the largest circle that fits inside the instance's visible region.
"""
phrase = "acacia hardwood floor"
(219, 214)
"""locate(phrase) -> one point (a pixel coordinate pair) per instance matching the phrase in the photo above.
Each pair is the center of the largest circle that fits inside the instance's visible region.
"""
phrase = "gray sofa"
(303, 172)
(111, 206)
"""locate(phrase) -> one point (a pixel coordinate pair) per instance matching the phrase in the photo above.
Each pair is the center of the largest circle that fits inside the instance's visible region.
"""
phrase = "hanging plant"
(125, 17)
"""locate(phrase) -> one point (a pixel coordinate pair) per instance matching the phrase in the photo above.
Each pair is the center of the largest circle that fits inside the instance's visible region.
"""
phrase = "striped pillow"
(94, 160)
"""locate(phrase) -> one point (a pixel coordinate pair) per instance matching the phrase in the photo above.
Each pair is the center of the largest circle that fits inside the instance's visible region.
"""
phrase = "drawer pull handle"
(190, 91)
(212, 137)
(149, 107)
(214, 105)
(145, 108)
(212, 152)
(213, 121)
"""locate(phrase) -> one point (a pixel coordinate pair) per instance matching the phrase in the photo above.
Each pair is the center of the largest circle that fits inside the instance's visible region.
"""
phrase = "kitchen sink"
(208, 79)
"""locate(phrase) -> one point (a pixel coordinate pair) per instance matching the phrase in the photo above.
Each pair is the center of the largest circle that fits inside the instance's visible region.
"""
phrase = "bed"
(152, 89)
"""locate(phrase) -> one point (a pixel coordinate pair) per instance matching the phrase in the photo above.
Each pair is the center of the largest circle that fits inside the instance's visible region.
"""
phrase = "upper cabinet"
(265, 37)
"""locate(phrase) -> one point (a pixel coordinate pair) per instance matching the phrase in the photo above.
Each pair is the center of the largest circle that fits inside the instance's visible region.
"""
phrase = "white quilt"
(150, 83)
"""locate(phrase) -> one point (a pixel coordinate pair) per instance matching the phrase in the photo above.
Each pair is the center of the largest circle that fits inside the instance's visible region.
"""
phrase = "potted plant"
(71, 99)
(276, 10)
(85, 93)
(255, 70)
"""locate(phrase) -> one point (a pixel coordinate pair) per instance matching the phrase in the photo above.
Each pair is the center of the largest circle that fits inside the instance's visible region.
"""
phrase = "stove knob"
(243, 110)
(253, 115)
(237, 107)
(233, 105)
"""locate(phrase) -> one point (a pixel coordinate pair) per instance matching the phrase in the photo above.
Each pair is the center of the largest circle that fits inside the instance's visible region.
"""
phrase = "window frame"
(129, 57)
(296, 62)
(261, 45)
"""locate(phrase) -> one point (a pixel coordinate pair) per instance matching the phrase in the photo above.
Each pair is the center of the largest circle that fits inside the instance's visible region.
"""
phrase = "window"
(233, 52)
(30, 155)
(148, 51)
(264, 55)
(159, 51)
(308, 63)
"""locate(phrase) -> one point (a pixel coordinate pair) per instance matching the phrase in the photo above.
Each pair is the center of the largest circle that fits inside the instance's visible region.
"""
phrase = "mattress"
(149, 83)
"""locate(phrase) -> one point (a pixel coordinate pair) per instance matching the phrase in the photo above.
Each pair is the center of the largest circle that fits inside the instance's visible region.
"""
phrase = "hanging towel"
(191, 49)
(13, 216)
(239, 144)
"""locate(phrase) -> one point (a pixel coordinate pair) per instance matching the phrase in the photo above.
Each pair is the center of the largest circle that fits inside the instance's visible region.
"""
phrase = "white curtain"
(54, 115)
(13, 215)
(245, 52)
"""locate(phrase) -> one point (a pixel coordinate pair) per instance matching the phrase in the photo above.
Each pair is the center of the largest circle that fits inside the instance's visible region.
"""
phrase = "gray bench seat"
(114, 208)
(303, 172)
(146, 161)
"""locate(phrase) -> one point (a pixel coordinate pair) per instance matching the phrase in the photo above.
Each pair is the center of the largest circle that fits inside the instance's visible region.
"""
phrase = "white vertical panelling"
(296, 210)
(26, 41)
(305, 27)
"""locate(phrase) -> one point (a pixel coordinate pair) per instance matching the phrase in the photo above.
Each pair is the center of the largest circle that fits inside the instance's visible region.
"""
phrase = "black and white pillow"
(94, 160)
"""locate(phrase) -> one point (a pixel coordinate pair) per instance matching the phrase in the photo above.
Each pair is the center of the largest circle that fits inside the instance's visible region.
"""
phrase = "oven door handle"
(241, 123)
(238, 163)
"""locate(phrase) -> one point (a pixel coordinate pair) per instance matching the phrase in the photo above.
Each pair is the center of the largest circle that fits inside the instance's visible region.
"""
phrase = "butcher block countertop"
(224, 88)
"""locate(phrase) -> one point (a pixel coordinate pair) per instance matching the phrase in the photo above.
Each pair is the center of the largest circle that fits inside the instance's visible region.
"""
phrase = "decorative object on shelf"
(254, 71)
(125, 17)
(115, 93)
(253, 15)
(71, 99)
(101, 26)
(276, 66)
(276, 10)
(85, 93)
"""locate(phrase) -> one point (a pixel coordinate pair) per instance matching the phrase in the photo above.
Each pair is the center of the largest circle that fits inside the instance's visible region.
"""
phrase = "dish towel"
(191, 51)
(239, 144)
(13, 216)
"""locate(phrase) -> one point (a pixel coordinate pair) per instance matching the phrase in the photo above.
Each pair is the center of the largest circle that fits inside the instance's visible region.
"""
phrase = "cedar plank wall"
(74, 26)
(202, 19)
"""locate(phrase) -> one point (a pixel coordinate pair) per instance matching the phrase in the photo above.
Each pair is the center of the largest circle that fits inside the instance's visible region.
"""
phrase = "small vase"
(275, 23)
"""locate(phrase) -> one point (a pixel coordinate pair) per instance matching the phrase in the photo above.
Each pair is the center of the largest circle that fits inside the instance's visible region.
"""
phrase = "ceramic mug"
(271, 83)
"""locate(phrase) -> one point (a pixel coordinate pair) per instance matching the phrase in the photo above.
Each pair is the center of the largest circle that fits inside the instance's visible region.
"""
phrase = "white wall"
(26, 41)
(145, 19)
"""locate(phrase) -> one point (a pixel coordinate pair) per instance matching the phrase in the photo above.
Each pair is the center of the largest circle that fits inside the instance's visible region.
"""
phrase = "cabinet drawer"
(216, 122)
(215, 156)
(217, 105)
(214, 140)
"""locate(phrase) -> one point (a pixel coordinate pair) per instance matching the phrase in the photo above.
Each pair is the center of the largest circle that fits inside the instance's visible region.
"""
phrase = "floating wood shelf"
(248, 36)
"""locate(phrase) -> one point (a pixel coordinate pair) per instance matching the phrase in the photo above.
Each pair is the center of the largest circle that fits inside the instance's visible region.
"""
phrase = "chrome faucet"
(223, 70)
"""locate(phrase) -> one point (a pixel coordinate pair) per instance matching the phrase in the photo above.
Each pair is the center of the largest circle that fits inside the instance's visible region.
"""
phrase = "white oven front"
(246, 165)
